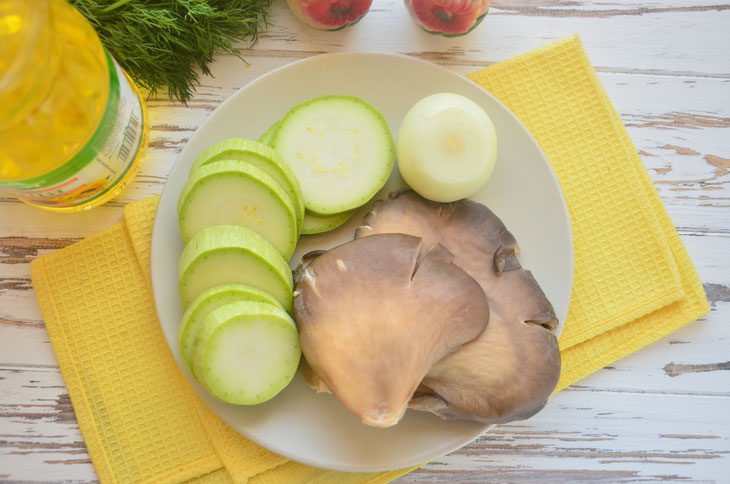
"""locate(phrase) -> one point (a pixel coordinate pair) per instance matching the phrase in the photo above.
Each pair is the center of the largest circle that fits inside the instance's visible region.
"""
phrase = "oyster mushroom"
(508, 372)
(374, 318)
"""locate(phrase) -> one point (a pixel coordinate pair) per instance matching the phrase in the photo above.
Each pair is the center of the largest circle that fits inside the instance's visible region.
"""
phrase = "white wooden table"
(661, 414)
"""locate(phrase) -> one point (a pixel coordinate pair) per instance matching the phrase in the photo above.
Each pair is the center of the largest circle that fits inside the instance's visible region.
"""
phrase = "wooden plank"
(598, 437)
(18, 306)
(618, 36)
(581, 436)
(693, 360)
(680, 134)
(23, 338)
(39, 437)
(657, 415)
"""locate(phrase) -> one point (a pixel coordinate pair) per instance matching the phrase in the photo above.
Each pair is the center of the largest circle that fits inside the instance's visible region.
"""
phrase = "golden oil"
(73, 127)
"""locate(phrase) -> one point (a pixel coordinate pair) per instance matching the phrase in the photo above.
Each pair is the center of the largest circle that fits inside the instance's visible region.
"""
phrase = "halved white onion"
(446, 147)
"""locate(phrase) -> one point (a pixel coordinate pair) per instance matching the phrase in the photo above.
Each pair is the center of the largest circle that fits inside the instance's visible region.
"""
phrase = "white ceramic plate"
(523, 191)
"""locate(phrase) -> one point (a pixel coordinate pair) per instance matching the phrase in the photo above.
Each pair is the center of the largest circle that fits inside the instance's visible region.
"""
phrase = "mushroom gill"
(373, 318)
(510, 369)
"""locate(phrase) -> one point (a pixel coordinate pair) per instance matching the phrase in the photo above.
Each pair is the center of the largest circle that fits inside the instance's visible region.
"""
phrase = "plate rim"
(471, 436)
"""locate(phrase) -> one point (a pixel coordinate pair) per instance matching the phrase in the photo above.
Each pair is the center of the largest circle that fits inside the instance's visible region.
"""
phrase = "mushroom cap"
(508, 372)
(374, 318)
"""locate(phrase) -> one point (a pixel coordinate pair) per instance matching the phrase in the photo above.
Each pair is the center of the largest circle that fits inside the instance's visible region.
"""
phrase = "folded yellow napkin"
(143, 423)
(633, 279)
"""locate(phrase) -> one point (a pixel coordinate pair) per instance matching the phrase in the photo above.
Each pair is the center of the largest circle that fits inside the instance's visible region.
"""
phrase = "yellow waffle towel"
(633, 281)
(141, 421)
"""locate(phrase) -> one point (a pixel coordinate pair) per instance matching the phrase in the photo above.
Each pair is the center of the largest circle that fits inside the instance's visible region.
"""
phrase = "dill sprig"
(169, 42)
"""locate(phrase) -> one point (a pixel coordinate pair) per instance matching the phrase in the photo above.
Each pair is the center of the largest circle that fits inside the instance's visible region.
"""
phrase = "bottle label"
(102, 163)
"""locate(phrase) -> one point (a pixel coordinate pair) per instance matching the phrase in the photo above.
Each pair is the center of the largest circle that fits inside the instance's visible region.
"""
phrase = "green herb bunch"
(169, 42)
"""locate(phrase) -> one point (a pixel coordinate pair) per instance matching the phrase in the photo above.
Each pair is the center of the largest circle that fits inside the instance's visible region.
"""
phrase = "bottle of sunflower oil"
(73, 127)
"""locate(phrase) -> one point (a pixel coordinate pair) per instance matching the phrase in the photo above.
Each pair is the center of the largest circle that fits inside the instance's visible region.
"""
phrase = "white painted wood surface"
(661, 414)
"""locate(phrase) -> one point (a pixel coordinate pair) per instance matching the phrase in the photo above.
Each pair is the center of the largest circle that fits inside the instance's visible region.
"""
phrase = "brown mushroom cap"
(374, 318)
(509, 371)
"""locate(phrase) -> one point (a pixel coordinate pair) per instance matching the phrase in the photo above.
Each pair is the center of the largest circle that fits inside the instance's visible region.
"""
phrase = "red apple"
(450, 18)
(329, 14)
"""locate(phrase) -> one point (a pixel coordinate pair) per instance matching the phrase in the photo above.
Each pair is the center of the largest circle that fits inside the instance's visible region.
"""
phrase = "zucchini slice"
(266, 136)
(226, 254)
(238, 193)
(246, 352)
(317, 224)
(261, 156)
(339, 147)
(208, 301)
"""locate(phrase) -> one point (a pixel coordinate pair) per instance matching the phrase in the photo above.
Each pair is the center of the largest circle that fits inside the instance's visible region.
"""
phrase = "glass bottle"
(73, 127)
